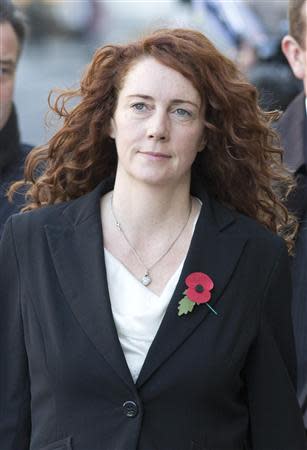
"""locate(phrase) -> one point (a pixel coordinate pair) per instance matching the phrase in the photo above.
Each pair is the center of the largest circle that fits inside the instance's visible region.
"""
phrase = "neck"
(146, 209)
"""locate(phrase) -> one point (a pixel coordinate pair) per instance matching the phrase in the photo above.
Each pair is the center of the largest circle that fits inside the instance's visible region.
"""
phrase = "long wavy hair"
(241, 162)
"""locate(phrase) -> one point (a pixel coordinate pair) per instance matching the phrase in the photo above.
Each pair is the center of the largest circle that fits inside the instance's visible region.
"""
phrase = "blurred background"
(65, 33)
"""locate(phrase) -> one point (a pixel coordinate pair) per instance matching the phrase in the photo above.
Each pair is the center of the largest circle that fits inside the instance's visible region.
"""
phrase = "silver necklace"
(147, 278)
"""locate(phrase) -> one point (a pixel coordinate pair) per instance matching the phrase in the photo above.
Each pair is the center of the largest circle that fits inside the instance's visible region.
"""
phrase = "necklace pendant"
(146, 280)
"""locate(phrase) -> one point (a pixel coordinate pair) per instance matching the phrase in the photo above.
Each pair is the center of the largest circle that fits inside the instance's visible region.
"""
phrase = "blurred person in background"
(271, 13)
(293, 131)
(276, 85)
(145, 292)
(272, 76)
(253, 46)
(78, 19)
(66, 19)
(12, 151)
(234, 26)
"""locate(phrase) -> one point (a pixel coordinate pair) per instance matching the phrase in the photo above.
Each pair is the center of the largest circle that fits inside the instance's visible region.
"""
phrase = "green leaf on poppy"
(185, 306)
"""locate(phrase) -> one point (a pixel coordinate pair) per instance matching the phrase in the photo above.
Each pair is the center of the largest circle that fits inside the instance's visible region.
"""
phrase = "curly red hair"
(240, 165)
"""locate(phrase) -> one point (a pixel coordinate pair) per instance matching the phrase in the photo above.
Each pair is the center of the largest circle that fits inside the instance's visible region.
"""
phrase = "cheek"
(124, 143)
(128, 135)
(6, 91)
(305, 73)
(192, 140)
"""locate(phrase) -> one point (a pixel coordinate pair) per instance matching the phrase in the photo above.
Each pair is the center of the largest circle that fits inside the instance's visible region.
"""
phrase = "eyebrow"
(8, 62)
(175, 101)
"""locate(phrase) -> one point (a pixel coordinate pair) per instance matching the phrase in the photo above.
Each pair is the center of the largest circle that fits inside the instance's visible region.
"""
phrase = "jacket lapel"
(212, 251)
(77, 237)
(293, 131)
(77, 253)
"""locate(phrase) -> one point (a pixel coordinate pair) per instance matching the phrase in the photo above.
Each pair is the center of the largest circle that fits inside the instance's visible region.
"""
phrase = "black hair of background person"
(12, 151)
(272, 76)
(9, 13)
(276, 85)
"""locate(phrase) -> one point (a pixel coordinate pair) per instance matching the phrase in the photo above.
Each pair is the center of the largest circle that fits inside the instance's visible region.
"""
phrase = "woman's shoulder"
(39, 217)
(233, 223)
(59, 214)
(253, 231)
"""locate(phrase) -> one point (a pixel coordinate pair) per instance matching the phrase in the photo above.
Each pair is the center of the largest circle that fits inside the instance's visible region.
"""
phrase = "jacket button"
(130, 409)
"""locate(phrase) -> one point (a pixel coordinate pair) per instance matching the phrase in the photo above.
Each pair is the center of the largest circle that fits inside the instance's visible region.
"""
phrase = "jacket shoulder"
(61, 214)
(254, 232)
(294, 110)
(38, 218)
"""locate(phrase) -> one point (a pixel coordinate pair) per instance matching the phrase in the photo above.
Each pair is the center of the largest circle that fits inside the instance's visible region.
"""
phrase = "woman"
(151, 311)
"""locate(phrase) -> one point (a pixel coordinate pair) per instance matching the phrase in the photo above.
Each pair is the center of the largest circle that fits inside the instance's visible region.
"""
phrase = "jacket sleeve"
(276, 420)
(15, 424)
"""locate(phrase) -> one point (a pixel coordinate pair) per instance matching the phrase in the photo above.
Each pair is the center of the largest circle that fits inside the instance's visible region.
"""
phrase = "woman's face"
(157, 125)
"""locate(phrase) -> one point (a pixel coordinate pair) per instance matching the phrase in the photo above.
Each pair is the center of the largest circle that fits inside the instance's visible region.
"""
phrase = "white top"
(137, 311)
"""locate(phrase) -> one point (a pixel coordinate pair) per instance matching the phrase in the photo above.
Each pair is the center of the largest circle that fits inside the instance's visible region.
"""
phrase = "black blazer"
(13, 173)
(293, 131)
(292, 128)
(208, 382)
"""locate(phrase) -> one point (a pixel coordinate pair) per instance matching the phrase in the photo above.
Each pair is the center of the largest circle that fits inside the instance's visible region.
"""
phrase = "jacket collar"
(77, 251)
(293, 131)
(9, 142)
(87, 206)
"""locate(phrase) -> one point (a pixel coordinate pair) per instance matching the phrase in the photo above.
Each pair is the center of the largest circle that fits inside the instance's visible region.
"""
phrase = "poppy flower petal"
(194, 278)
(208, 283)
(197, 278)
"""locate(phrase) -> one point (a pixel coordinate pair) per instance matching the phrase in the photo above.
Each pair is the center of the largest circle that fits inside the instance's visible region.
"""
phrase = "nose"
(158, 127)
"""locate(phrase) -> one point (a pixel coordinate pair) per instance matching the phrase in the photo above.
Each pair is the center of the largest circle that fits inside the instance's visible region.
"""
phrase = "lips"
(156, 155)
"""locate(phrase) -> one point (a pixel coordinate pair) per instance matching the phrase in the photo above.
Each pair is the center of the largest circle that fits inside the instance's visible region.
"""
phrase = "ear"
(295, 56)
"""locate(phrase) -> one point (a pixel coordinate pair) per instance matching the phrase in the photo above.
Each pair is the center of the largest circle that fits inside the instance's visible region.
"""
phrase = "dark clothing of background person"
(292, 128)
(208, 382)
(12, 157)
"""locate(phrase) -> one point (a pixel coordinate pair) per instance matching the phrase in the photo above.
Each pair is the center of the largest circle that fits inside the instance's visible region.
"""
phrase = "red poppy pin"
(199, 286)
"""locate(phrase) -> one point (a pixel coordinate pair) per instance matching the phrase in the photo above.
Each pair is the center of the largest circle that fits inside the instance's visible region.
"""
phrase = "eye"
(4, 71)
(182, 112)
(139, 107)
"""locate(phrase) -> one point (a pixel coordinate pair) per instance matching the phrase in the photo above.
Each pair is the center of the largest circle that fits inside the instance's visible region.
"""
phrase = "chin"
(159, 180)
(155, 181)
(147, 175)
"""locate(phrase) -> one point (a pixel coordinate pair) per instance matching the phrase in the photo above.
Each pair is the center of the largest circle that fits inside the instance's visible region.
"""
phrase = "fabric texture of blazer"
(12, 158)
(293, 132)
(209, 382)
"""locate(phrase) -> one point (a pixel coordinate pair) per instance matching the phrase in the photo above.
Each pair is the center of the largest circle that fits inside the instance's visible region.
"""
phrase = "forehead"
(8, 42)
(150, 77)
